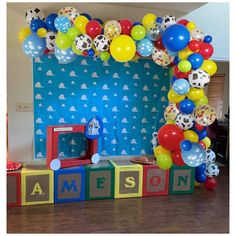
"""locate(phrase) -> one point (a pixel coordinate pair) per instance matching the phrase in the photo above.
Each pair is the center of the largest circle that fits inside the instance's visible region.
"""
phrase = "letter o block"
(69, 184)
(128, 179)
(37, 185)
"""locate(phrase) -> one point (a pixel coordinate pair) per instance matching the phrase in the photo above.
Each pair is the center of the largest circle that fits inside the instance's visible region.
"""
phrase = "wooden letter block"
(37, 185)
(100, 180)
(14, 188)
(69, 184)
(181, 179)
(128, 179)
(155, 181)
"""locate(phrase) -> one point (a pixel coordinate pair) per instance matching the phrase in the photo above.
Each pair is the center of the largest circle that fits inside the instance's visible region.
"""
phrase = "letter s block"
(37, 185)
(69, 184)
(128, 179)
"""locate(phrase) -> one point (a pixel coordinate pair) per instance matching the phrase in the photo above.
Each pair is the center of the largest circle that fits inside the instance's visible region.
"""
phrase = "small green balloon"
(138, 32)
(164, 161)
(202, 101)
(104, 56)
(63, 42)
(184, 66)
(72, 33)
(75, 50)
(171, 72)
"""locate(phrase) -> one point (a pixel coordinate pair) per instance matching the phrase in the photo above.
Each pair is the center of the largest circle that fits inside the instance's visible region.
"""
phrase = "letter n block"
(128, 179)
(181, 179)
(155, 181)
(37, 185)
(69, 184)
(14, 188)
(100, 180)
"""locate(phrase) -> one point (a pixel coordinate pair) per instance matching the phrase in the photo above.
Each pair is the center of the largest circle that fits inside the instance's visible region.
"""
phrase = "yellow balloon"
(196, 184)
(174, 97)
(148, 20)
(172, 122)
(80, 23)
(122, 48)
(184, 53)
(159, 150)
(191, 26)
(41, 32)
(209, 66)
(202, 101)
(23, 34)
(195, 94)
(191, 136)
(207, 142)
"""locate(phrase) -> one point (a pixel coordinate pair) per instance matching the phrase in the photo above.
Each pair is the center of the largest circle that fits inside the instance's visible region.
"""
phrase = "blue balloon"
(200, 169)
(181, 86)
(176, 60)
(196, 60)
(176, 37)
(50, 22)
(186, 106)
(86, 15)
(173, 79)
(34, 46)
(207, 39)
(62, 24)
(201, 178)
(159, 20)
(136, 23)
(64, 56)
(99, 20)
(37, 24)
(202, 134)
(145, 47)
(91, 52)
(186, 145)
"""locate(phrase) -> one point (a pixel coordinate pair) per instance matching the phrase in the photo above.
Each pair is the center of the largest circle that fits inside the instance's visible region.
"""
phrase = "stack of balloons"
(178, 44)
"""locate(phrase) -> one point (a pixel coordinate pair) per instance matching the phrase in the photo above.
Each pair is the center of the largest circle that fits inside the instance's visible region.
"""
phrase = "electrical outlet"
(24, 107)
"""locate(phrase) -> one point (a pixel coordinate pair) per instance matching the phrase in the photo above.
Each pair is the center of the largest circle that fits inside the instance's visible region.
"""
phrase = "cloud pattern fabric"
(129, 97)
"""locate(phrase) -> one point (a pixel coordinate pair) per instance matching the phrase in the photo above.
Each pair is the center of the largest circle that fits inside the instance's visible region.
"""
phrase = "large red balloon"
(158, 44)
(126, 26)
(93, 28)
(206, 50)
(210, 183)
(194, 45)
(177, 158)
(169, 136)
(179, 74)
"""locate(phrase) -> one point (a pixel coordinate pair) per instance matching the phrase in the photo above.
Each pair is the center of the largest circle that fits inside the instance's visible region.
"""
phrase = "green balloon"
(72, 33)
(104, 56)
(63, 42)
(184, 66)
(202, 101)
(171, 72)
(164, 161)
(75, 50)
(138, 32)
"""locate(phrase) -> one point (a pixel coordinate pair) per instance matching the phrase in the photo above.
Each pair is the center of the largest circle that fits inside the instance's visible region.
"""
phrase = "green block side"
(172, 180)
(101, 166)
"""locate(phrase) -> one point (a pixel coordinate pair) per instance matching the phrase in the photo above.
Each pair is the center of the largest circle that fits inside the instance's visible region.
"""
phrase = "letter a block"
(128, 179)
(37, 185)
(181, 179)
(69, 184)
(14, 188)
(100, 180)
(155, 181)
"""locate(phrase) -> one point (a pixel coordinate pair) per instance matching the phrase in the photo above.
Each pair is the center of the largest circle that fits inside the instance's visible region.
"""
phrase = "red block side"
(17, 174)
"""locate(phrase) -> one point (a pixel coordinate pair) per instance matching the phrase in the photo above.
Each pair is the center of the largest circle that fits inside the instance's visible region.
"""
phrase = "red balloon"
(202, 144)
(206, 50)
(85, 53)
(199, 127)
(126, 26)
(169, 136)
(194, 45)
(172, 64)
(179, 74)
(158, 44)
(210, 183)
(93, 28)
(177, 158)
(183, 22)
(47, 51)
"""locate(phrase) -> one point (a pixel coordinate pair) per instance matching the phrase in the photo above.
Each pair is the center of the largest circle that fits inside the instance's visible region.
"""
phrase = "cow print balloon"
(212, 170)
(184, 121)
(32, 14)
(210, 156)
(50, 40)
(101, 43)
(167, 21)
(83, 42)
(198, 78)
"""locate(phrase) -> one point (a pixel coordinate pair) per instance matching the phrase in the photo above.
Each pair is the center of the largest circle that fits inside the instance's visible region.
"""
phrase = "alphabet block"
(181, 179)
(100, 180)
(128, 179)
(69, 184)
(37, 185)
(14, 188)
(155, 181)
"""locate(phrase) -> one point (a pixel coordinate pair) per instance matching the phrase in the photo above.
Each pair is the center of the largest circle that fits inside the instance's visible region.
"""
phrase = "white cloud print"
(104, 153)
(38, 85)
(145, 99)
(83, 120)
(124, 131)
(146, 65)
(156, 77)
(125, 98)
(144, 121)
(38, 96)
(133, 141)
(134, 109)
(114, 141)
(85, 71)
(94, 109)
(63, 70)
(126, 64)
(83, 98)
(115, 76)
(162, 120)
(38, 121)
(163, 88)
(61, 97)
(154, 109)
(39, 154)
(163, 99)
(114, 109)
(50, 73)
(83, 86)
(105, 87)
(107, 72)
(125, 87)
(143, 152)
(72, 74)
(38, 60)
(136, 76)
(49, 82)
(39, 131)
(72, 108)
(123, 152)
(105, 98)
(124, 120)
(105, 131)
(105, 63)
(40, 69)
(95, 75)
(62, 120)
(104, 120)
(145, 88)
(84, 63)
(61, 85)
(143, 131)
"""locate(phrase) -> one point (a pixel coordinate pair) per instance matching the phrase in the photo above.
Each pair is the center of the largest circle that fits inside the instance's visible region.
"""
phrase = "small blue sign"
(94, 128)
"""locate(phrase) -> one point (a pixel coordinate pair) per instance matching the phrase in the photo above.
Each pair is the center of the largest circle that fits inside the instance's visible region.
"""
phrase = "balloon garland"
(178, 44)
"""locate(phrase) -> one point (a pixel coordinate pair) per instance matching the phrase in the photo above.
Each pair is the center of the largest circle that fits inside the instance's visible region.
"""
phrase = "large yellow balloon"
(174, 97)
(160, 150)
(80, 23)
(191, 136)
(207, 142)
(148, 20)
(202, 101)
(209, 66)
(23, 34)
(195, 94)
(184, 53)
(123, 48)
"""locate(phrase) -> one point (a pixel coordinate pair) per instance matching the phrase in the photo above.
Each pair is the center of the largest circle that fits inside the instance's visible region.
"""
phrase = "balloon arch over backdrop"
(181, 45)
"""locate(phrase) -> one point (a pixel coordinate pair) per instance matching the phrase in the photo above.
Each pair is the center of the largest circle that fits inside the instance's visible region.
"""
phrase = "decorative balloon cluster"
(179, 44)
